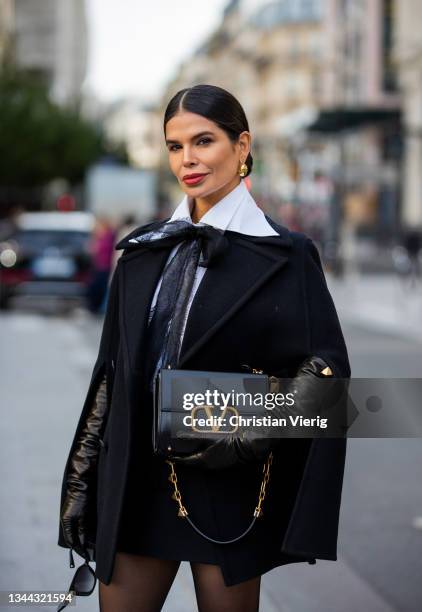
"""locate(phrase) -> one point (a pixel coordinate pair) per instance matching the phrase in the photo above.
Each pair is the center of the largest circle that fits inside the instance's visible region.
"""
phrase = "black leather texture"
(250, 446)
(77, 513)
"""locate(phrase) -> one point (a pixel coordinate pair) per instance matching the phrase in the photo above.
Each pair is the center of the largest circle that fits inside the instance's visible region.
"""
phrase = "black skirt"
(221, 503)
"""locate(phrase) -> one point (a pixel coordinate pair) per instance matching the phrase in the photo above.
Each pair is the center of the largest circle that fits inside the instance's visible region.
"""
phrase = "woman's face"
(197, 146)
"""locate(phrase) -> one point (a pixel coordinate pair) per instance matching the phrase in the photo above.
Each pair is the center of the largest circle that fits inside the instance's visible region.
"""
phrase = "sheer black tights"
(212, 595)
(141, 584)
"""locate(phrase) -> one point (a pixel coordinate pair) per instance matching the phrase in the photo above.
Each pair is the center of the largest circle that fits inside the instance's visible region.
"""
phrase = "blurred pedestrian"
(101, 248)
(289, 216)
(412, 243)
(127, 225)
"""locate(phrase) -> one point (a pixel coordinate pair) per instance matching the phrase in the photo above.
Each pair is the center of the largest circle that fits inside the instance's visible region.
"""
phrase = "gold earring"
(243, 170)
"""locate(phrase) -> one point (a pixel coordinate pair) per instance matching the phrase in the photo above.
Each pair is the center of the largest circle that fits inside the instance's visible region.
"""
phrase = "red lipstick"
(193, 179)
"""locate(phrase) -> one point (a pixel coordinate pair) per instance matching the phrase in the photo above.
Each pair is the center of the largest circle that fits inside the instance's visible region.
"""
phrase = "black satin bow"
(212, 241)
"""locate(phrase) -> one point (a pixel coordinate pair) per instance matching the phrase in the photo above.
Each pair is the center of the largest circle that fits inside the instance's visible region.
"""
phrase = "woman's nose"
(188, 158)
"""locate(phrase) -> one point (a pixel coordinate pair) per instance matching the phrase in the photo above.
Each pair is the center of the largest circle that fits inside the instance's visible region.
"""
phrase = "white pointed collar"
(237, 212)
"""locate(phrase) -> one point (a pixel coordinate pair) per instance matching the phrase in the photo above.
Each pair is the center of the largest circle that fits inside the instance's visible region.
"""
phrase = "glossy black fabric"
(165, 327)
(265, 303)
(163, 234)
(164, 330)
(80, 505)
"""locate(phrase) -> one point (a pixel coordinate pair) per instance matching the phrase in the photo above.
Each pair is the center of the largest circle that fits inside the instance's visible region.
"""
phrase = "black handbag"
(173, 436)
(180, 429)
(170, 436)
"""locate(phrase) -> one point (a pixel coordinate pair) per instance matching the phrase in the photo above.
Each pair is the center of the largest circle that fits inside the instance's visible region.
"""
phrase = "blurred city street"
(329, 94)
(382, 302)
(43, 390)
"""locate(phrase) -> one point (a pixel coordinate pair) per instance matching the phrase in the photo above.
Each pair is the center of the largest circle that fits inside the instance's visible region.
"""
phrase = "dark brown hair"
(213, 103)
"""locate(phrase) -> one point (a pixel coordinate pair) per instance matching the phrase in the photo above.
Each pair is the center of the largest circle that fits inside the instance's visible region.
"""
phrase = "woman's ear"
(245, 144)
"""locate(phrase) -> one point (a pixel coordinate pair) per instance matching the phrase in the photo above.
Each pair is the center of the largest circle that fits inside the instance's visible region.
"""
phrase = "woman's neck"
(203, 205)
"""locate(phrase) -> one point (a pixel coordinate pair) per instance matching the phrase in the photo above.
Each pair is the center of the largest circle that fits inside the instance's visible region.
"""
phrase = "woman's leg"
(212, 595)
(138, 584)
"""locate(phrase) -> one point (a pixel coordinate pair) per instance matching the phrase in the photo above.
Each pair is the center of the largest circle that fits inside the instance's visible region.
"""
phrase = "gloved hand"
(81, 478)
(251, 446)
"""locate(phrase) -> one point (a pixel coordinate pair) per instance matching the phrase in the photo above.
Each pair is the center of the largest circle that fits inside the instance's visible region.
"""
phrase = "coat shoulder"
(298, 239)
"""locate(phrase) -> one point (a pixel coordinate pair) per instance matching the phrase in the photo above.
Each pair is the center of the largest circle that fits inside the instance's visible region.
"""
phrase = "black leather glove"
(77, 508)
(250, 446)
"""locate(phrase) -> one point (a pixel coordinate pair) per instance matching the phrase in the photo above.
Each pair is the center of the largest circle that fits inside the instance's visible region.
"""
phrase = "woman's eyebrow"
(193, 137)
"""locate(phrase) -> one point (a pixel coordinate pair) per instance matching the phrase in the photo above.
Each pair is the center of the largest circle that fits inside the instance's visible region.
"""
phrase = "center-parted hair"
(213, 103)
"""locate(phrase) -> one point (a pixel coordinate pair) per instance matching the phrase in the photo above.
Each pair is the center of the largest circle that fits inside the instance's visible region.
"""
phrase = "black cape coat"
(265, 304)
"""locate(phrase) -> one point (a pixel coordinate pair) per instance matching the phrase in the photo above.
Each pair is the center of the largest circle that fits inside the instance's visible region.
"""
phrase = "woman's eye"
(176, 147)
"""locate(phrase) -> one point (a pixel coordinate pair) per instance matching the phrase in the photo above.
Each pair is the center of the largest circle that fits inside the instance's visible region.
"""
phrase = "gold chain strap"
(177, 496)
(263, 490)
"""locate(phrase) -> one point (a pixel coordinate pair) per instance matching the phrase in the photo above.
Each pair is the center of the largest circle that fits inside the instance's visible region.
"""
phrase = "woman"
(262, 301)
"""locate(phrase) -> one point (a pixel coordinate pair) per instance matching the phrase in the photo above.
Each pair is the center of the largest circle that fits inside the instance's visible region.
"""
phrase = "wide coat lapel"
(226, 286)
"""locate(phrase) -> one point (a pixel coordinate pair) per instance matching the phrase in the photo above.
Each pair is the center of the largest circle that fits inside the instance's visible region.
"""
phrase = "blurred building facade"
(360, 120)
(138, 127)
(6, 28)
(317, 83)
(408, 59)
(48, 38)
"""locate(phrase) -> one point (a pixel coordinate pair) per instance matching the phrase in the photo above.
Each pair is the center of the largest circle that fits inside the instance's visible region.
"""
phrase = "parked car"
(46, 255)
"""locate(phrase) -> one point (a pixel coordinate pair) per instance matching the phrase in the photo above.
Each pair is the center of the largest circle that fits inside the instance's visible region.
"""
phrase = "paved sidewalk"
(382, 303)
